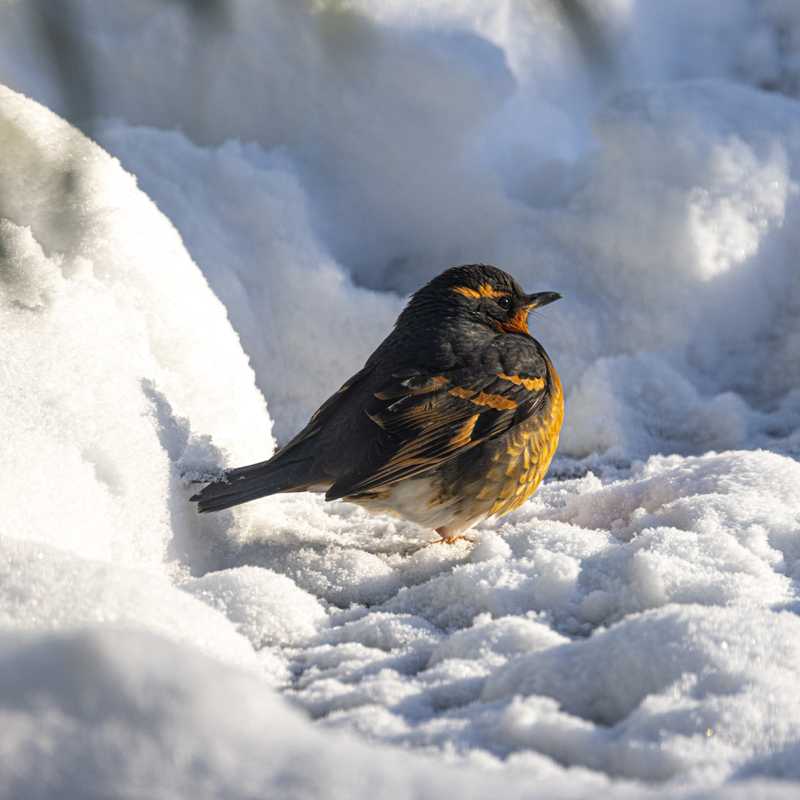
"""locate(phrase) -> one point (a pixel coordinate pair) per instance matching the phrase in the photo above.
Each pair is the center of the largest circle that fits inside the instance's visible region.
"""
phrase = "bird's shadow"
(343, 561)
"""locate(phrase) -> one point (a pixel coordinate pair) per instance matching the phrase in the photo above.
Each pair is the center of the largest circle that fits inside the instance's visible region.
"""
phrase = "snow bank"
(268, 607)
(647, 343)
(114, 349)
(385, 143)
(629, 632)
(129, 714)
(44, 589)
(689, 561)
(263, 261)
(132, 715)
(686, 704)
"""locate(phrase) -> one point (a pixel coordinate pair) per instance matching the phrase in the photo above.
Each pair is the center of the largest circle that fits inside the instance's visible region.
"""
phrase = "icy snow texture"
(655, 211)
(630, 632)
(386, 142)
(104, 368)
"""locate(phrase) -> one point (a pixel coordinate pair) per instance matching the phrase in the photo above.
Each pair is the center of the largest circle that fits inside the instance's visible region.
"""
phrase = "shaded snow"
(630, 632)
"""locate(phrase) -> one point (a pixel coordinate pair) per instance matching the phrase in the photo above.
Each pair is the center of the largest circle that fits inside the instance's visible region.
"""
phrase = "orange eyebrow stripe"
(484, 290)
(531, 384)
(466, 291)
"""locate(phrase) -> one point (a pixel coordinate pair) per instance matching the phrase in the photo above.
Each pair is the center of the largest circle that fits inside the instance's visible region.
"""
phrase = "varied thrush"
(454, 418)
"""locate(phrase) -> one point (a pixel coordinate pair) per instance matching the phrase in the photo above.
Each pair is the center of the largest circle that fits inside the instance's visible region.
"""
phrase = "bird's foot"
(450, 538)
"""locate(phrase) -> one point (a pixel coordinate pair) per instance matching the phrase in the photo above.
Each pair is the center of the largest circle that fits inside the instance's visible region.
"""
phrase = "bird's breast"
(520, 459)
(492, 479)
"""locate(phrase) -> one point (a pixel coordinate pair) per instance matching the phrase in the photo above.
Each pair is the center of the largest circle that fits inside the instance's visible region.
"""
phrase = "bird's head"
(483, 294)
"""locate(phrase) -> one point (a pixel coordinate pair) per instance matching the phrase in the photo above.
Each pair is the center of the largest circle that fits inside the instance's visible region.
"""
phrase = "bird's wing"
(423, 419)
(324, 413)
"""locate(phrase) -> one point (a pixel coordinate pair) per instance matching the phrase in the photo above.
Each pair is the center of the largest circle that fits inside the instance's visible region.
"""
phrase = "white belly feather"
(420, 500)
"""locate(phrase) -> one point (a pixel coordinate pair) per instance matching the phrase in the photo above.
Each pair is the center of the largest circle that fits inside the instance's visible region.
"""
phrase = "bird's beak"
(519, 322)
(540, 299)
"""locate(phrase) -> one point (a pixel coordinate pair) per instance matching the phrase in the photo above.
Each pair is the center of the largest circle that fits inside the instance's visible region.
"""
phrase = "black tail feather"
(242, 484)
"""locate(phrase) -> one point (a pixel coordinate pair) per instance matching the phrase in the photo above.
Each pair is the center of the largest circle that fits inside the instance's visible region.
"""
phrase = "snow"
(287, 172)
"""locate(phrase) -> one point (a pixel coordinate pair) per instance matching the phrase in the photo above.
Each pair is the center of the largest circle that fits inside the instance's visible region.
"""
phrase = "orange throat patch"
(518, 323)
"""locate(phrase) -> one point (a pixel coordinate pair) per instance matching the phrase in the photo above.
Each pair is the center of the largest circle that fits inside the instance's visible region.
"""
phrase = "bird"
(454, 418)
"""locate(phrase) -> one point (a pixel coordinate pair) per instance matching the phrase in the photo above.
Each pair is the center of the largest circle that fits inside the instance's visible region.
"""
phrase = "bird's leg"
(449, 538)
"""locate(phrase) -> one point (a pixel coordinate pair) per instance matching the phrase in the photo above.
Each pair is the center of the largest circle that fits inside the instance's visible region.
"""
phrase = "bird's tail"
(243, 484)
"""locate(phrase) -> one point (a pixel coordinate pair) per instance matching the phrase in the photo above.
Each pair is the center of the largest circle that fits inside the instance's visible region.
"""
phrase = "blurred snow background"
(301, 166)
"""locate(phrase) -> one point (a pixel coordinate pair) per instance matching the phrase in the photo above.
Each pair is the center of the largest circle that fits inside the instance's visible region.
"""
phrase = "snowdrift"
(632, 631)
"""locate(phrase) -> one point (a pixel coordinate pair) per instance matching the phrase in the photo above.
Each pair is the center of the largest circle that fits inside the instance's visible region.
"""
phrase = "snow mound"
(264, 261)
(127, 713)
(117, 359)
(678, 335)
(384, 144)
(679, 576)
(45, 589)
(269, 608)
(115, 713)
(689, 702)
(631, 631)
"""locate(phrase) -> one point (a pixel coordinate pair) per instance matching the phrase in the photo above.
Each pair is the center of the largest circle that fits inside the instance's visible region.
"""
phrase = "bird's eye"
(504, 302)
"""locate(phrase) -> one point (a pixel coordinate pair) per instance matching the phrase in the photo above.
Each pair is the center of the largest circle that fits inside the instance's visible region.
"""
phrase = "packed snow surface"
(287, 172)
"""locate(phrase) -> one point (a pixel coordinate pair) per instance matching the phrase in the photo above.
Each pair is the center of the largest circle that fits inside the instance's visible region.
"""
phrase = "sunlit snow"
(287, 172)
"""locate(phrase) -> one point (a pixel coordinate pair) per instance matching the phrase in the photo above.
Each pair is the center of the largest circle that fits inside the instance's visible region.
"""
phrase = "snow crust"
(632, 631)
